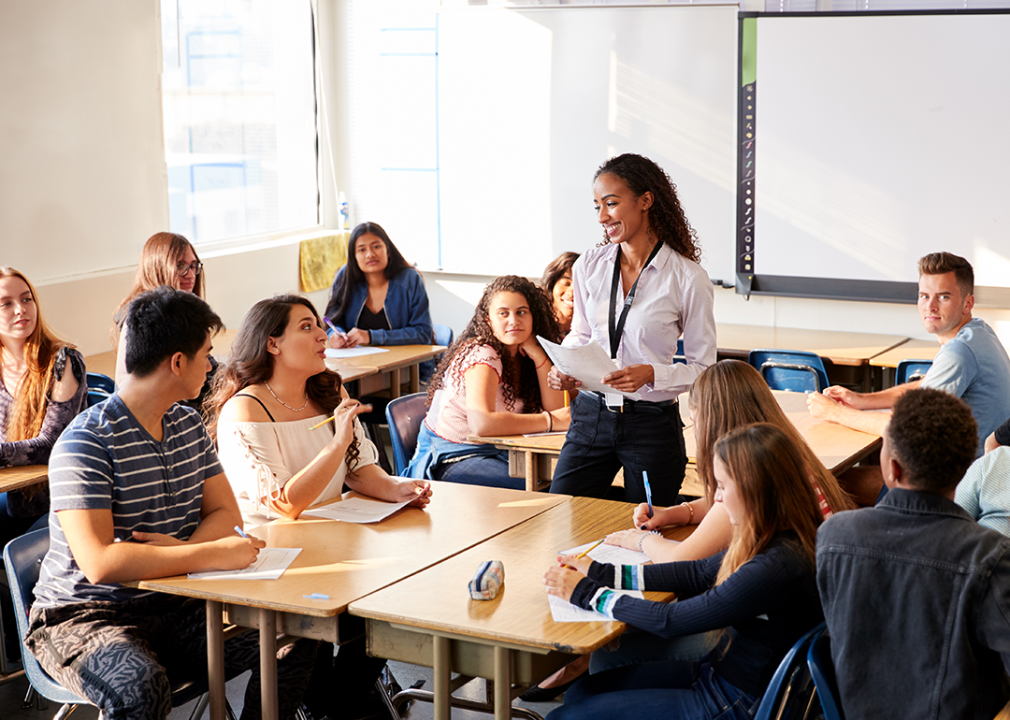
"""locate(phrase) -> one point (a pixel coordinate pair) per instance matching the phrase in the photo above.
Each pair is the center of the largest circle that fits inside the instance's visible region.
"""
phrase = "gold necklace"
(284, 403)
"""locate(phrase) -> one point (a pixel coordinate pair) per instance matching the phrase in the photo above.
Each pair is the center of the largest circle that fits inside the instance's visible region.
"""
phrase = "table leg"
(532, 481)
(394, 382)
(442, 668)
(415, 378)
(502, 683)
(215, 659)
(268, 663)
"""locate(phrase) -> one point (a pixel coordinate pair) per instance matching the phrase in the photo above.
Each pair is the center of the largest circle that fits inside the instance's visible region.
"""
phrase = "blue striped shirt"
(106, 460)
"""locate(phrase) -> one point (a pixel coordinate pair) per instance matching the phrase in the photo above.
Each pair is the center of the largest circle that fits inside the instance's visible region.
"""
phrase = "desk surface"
(13, 478)
(347, 561)
(911, 350)
(437, 600)
(396, 356)
(837, 446)
(842, 348)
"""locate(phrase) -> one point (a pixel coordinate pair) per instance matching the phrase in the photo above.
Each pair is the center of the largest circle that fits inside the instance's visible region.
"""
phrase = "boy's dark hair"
(941, 263)
(934, 436)
(162, 322)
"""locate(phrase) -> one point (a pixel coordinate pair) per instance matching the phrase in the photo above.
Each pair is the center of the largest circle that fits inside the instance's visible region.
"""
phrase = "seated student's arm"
(712, 535)
(102, 560)
(998, 437)
(824, 407)
(881, 400)
(415, 328)
(481, 392)
(550, 398)
(373, 481)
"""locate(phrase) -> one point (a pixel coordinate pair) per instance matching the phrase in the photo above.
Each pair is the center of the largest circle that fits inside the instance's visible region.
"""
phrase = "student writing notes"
(761, 589)
(492, 381)
(635, 295)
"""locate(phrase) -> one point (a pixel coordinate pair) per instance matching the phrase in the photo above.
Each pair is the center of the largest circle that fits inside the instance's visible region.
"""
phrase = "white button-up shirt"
(674, 297)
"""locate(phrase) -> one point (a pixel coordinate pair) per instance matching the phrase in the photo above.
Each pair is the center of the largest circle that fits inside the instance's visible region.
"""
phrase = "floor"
(12, 694)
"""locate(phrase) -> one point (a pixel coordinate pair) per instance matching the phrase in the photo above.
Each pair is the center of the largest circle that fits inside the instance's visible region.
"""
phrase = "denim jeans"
(644, 436)
(670, 690)
(487, 470)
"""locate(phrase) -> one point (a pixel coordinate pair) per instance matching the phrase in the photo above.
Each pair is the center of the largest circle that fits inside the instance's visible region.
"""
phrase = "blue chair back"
(822, 669)
(909, 370)
(23, 560)
(793, 370)
(442, 333)
(97, 381)
(788, 693)
(680, 357)
(96, 396)
(404, 416)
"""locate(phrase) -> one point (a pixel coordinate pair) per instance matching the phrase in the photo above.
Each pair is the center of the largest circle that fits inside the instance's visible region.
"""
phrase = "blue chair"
(822, 670)
(793, 370)
(23, 560)
(680, 357)
(909, 370)
(97, 381)
(442, 334)
(789, 692)
(404, 416)
(96, 396)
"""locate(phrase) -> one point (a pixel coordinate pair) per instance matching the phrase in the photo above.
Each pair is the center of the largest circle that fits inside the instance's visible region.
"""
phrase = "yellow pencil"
(319, 425)
(589, 549)
(566, 398)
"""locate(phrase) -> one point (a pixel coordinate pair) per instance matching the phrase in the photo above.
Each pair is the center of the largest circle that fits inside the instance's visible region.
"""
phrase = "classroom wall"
(83, 185)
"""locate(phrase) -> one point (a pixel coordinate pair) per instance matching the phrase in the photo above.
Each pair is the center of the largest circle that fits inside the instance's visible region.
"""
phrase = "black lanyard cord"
(617, 325)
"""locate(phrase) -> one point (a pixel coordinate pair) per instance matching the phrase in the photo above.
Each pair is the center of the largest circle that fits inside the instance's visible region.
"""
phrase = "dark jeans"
(661, 689)
(487, 470)
(642, 437)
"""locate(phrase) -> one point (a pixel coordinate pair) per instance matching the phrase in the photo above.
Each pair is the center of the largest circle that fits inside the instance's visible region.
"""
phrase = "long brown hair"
(771, 478)
(731, 393)
(251, 363)
(161, 254)
(29, 410)
(519, 374)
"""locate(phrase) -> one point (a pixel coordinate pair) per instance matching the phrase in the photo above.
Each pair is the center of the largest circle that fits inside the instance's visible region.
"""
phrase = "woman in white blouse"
(636, 293)
(274, 388)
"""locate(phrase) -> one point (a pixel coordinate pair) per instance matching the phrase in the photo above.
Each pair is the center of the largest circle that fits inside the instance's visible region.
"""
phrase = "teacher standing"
(635, 294)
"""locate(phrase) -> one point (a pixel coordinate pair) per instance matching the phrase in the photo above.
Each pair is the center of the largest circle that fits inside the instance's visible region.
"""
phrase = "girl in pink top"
(491, 381)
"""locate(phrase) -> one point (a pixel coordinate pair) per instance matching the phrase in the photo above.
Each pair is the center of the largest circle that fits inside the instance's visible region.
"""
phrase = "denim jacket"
(406, 310)
(917, 598)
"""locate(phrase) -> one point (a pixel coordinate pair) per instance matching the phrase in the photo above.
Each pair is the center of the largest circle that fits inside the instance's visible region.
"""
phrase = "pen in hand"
(241, 532)
(648, 493)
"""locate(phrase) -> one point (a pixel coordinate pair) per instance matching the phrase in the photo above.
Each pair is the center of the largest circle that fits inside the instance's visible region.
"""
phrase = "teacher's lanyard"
(617, 328)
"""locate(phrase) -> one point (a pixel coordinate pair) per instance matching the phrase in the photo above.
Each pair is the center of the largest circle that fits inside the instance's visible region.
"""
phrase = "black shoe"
(537, 694)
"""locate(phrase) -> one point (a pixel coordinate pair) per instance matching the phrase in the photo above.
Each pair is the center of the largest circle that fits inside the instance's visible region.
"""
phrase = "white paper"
(357, 510)
(270, 564)
(586, 363)
(563, 611)
(613, 554)
(353, 352)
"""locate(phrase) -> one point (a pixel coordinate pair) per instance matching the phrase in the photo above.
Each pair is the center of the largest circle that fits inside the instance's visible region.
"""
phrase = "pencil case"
(487, 581)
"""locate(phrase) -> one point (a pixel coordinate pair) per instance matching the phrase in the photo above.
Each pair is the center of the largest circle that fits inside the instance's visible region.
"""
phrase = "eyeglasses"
(182, 269)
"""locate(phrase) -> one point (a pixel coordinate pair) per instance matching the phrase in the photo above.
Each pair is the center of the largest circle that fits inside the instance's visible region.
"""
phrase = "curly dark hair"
(666, 216)
(250, 363)
(519, 374)
(934, 436)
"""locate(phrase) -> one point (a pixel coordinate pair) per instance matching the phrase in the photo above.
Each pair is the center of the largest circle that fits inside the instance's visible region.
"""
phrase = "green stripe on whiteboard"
(748, 51)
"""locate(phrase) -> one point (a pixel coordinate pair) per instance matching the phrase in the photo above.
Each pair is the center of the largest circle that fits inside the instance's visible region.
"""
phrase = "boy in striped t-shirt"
(137, 493)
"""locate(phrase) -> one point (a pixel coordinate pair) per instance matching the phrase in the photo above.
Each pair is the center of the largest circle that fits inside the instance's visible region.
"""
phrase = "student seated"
(167, 259)
(761, 589)
(267, 398)
(984, 492)
(44, 386)
(138, 493)
(492, 381)
(557, 282)
(914, 590)
(971, 364)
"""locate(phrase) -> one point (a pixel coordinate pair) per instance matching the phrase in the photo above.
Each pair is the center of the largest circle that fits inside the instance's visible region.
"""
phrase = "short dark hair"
(165, 321)
(941, 263)
(934, 436)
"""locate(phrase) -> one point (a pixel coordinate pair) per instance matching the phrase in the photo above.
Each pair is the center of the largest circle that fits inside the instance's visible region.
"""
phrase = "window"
(239, 102)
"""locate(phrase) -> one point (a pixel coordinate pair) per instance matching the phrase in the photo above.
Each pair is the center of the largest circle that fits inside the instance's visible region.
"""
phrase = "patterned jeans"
(120, 655)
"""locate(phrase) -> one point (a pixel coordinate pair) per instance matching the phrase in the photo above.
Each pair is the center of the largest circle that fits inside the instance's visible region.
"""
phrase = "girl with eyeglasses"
(167, 259)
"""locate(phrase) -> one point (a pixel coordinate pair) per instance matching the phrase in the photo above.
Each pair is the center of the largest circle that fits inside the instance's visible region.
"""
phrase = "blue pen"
(317, 596)
(648, 492)
(240, 532)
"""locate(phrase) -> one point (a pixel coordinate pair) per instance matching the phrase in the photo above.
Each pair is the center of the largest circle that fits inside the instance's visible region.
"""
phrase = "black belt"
(641, 406)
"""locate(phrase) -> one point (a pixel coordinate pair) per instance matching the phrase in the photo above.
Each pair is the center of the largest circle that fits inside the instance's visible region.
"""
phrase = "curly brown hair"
(250, 363)
(666, 217)
(519, 374)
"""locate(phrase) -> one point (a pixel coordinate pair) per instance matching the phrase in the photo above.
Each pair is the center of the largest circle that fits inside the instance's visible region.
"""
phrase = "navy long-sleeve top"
(766, 605)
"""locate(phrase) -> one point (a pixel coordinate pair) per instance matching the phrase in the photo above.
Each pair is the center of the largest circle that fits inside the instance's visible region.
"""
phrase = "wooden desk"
(911, 350)
(13, 478)
(351, 372)
(837, 446)
(429, 619)
(105, 363)
(397, 358)
(346, 562)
